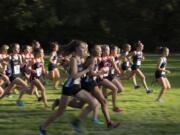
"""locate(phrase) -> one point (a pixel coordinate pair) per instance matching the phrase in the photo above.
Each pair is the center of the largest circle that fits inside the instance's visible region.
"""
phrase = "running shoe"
(148, 91)
(112, 125)
(159, 100)
(39, 99)
(137, 87)
(98, 122)
(117, 109)
(19, 103)
(42, 131)
(76, 126)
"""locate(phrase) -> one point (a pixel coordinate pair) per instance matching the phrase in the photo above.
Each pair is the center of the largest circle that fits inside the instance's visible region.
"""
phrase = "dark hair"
(113, 47)
(160, 49)
(92, 50)
(88, 62)
(26, 47)
(37, 51)
(138, 44)
(54, 44)
(71, 46)
(34, 43)
(125, 46)
(14, 45)
(104, 46)
(4, 47)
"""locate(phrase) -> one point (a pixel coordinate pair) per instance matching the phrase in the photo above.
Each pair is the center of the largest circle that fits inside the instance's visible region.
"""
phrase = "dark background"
(154, 22)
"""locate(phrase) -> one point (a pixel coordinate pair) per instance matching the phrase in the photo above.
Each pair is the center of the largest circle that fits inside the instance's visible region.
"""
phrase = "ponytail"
(160, 49)
(71, 46)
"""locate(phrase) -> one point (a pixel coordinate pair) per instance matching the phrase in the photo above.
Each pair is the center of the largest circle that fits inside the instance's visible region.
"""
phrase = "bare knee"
(119, 86)
(52, 74)
(114, 89)
(143, 77)
(60, 109)
(104, 103)
(94, 104)
(17, 80)
(57, 74)
(1, 92)
(41, 87)
(164, 88)
(121, 89)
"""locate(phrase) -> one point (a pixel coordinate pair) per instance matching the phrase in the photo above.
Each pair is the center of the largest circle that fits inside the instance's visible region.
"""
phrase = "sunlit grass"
(141, 115)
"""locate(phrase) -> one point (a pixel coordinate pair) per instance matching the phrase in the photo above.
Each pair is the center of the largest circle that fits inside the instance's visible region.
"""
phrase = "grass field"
(141, 115)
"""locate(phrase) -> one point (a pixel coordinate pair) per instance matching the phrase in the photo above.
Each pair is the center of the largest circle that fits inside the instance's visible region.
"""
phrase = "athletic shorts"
(33, 77)
(71, 90)
(135, 67)
(158, 74)
(110, 77)
(88, 86)
(124, 67)
(98, 80)
(51, 66)
(12, 78)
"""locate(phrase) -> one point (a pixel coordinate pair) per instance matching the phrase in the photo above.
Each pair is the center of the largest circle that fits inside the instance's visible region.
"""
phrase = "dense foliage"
(155, 22)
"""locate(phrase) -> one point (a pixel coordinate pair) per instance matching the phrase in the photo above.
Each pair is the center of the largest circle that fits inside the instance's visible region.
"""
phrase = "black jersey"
(15, 64)
(70, 81)
(137, 58)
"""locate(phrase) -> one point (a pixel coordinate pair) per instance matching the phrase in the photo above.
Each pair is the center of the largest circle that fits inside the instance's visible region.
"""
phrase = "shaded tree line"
(154, 22)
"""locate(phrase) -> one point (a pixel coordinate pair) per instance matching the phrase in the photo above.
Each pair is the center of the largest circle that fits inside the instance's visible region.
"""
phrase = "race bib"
(106, 69)
(39, 71)
(139, 62)
(101, 76)
(163, 73)
(127, 64)
(77, 81)
(112, 71)
(68, 82)
(94, 78)
(17, 69)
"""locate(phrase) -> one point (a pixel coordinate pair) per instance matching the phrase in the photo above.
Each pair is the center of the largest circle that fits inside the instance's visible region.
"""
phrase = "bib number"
(163, 73)
(39, 71)
(127, 64)
(138, 62)
(112, 71)
(94, 78)
(17, 69)
(77, 81)
(106, 69)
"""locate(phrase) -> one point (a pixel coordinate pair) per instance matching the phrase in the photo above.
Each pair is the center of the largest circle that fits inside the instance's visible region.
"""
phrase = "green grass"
(141, 115)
